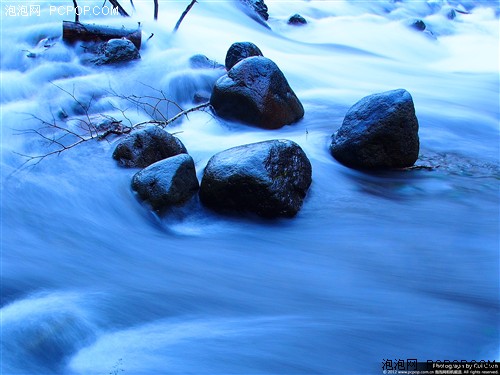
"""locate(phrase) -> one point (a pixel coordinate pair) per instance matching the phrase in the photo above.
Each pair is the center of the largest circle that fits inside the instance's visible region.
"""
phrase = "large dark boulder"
(147, 146)
(255, 91)
(239, 51)
(116, 51)
(268, 178)
(168, 182)
(379, 131)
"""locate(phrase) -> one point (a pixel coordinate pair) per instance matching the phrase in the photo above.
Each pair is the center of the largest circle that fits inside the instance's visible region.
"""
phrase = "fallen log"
(76, 31)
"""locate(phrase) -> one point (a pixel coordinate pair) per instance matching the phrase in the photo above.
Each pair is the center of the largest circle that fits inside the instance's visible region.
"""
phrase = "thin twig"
(56, 134)
(163, 124)
(77, 14)
(155, 13)
(184, 15)
(143, 102)
(117, 5)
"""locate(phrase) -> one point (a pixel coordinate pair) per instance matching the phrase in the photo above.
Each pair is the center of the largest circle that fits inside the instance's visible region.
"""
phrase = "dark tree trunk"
(75, 31)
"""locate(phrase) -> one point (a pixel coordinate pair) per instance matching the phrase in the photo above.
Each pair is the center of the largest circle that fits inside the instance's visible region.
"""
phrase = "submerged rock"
(239, 51)
(147, 146)
(203, 62)
(268, 178)
(255, 91)
(116, 51)
(168, 182)
(451, 14)
(379, 131)
(418, 25)
(297, 19)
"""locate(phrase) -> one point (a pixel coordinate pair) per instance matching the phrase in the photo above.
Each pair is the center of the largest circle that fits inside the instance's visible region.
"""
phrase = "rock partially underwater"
(379, 131)
(147, 146)
(255, 91)
(269, 178)
(168, 182)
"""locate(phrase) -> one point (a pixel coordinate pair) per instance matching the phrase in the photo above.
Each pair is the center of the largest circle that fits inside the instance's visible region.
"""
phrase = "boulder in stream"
(239, 51)
(379, 131)
(255, 91)
(116, 51)
(269, 178)
(297, 20)
(168, 182)
(147, 146)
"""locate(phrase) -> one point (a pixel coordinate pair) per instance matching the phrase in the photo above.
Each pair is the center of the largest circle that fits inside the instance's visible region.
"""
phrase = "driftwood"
(76, 31)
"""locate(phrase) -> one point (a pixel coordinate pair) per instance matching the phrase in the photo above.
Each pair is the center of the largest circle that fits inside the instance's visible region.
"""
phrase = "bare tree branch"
(117, 5)
(77, 14)
(150, 104)
(163, 124)
(61, 137)
(155, 14)
(184, 15)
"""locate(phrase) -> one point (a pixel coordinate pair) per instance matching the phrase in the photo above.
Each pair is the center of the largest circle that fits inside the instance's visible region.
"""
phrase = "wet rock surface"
(297, 20)
(379, 131)
(255, 91)
(239, 51)
(268, 178)
(116, 51)
(168, 182)
(147, 146)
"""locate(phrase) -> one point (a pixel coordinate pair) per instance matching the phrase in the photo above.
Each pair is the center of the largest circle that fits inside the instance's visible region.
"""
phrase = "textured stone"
(168, 182)
(268, 178)
(255, 91)
(147, 146)
(379, 131)
(239, 51)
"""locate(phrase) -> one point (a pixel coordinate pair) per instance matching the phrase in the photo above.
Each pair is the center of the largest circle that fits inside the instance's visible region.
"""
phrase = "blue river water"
(393, 265)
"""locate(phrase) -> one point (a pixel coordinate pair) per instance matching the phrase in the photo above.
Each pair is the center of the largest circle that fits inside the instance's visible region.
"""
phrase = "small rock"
(239, 51)
(147, 146)
(116, 51)
(379, 131)
(268, 178)
(297, 19)
(260, 8)
(418, 25)
(104, 123)
(203, 62)
(255, 91)
(168, 182)
(256, 9)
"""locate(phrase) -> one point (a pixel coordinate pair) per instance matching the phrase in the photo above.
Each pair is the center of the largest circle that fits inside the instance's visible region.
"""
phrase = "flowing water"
(394, 265)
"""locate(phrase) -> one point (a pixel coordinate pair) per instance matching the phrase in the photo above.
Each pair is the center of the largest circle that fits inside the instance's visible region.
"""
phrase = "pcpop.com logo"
(83, 10)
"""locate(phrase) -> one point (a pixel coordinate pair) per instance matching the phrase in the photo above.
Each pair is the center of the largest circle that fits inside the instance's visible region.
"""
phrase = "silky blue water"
(393, 265)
